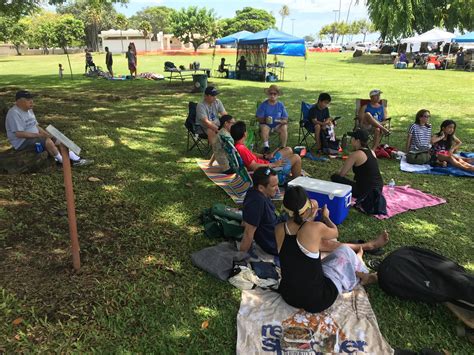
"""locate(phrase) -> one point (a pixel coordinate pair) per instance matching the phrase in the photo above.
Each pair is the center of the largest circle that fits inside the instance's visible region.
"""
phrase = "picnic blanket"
(428, 169)
(232, 184)
(404, 198)
(266, 324)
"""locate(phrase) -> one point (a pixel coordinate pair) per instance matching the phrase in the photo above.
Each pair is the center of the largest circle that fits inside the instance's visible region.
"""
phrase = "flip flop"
(373, 264)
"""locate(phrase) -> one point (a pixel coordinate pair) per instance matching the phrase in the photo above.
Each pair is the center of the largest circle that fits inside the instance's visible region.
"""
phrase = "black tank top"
(367, 176)
(303, 284)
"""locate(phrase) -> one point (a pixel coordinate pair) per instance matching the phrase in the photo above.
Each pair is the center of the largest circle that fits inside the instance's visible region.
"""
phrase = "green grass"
(137, 290)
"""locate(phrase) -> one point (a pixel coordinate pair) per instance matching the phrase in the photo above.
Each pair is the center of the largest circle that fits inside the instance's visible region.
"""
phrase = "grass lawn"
(137, 290)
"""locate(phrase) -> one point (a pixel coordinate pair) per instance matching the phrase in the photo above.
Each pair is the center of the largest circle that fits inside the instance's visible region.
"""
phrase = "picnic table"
(179, 74)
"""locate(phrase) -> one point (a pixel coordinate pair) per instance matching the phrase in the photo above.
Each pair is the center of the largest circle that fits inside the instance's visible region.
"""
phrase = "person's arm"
(385, 113)
(23, 134)
(249, 233)
(350, 161)
(208, 124)
(329, 229)
(436, 138)
(254, 165)
(457, 144)
(361, 112)
(260, 114)
(221, 109)
(409, 138)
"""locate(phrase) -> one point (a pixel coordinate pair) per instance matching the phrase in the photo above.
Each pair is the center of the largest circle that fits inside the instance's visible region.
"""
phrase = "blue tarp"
(233, 38)
(468, 37)
(279, 43)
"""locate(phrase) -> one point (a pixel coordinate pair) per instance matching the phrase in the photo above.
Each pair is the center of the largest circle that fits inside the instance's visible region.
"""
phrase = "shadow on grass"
(138, 290)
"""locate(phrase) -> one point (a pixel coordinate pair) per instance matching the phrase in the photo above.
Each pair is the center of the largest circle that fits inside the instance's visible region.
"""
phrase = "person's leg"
(377, 138)
(332, 244)
(211, 135)
(368, 119)
(295, 161)
(458, 163)
(317, 136)
(283, 132)
(265, 134)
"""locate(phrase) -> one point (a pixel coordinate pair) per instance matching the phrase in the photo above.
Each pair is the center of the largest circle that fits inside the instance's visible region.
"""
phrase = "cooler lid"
(321, 186)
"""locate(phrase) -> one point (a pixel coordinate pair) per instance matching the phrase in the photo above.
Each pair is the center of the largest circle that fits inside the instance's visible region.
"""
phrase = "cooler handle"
(348, 200)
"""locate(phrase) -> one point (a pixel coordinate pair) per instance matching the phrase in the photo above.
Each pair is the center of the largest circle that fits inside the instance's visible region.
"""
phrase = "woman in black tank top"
(306, 281)
(364, 165)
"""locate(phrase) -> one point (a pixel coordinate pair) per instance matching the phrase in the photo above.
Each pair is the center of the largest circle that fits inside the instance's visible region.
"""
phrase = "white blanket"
(348, 326)
(413, 168)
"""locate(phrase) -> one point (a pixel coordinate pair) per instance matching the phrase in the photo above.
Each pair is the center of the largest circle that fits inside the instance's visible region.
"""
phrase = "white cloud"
(321, 6)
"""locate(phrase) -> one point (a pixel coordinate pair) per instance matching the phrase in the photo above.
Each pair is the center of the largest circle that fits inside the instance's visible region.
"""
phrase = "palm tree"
(284, 12)
(145, 28)
(122, 24)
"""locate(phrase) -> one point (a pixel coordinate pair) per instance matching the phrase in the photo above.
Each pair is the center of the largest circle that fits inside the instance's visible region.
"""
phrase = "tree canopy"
(157, 16)
(248, 19)
(401, 18)
(194, 25)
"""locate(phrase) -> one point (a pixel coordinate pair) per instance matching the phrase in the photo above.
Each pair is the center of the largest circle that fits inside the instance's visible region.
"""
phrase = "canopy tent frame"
(230, 39)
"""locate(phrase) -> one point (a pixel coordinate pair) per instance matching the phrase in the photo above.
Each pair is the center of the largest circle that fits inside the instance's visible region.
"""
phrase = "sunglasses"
(426, 116)
(273, 93)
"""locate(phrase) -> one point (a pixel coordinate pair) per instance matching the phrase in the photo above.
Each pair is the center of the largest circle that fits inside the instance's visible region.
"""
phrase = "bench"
(178, 74)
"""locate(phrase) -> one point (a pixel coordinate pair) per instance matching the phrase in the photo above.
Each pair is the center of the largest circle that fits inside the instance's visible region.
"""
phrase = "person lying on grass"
(307, 281)
(260, 219)
(24, 132)
(283, 158)
(444, 145)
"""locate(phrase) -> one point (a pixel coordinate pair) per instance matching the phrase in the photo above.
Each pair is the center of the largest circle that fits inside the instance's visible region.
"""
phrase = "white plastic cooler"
(336, 196)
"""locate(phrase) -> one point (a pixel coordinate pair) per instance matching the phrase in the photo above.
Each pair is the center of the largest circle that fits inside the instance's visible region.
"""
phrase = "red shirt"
(248, 157)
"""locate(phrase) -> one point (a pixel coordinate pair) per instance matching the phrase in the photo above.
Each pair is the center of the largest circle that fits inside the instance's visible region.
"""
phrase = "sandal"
(373, 264)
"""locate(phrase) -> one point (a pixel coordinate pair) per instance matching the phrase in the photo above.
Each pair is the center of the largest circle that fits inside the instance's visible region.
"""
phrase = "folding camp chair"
(242, 181)
(306, 127)
(196, 137)
(387, 122)
(256, 131)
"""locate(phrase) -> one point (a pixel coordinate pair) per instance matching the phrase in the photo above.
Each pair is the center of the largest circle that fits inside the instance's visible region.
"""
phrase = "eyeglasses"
(273, 93)
(426, 116)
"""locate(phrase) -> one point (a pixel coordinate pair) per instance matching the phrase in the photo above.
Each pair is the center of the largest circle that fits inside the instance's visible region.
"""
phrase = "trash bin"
(200, 82)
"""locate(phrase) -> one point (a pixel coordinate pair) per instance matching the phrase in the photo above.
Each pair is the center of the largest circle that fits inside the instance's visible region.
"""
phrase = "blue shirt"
(259, 211)
(277, 112)
(376, 112)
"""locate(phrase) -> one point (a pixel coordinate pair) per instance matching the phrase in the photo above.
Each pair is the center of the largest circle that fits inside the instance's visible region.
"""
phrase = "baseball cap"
(359, 134)
(23, 94)
(211, 90)
(224, 119)
(375, 92)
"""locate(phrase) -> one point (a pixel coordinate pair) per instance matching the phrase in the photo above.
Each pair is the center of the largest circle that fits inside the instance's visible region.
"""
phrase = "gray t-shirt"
(211, 111)
(18, 120)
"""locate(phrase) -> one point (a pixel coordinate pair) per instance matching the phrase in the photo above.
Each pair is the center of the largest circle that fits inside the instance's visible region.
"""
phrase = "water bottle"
(391, 186)
(39, 147)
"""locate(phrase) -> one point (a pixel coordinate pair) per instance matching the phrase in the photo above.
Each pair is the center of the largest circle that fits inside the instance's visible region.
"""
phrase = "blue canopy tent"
(465, 38)
(233, 38)
(254, 48)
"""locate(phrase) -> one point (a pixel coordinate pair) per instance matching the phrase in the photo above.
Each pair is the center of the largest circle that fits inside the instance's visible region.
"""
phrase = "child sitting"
(444, 145)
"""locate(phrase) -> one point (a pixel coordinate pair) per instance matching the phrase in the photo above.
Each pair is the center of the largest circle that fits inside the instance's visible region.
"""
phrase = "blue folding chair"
(306, 126)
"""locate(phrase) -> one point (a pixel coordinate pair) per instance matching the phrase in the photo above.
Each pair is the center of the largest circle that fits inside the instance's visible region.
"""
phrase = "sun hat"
(375, 92)
(273, 87)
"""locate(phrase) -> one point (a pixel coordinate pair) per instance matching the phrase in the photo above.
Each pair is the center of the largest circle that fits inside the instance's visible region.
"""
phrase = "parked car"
(351, 45)
(332, 47)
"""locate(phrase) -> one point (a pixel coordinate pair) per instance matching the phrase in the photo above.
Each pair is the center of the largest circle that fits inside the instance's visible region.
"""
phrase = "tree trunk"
(365, 34)
(146, 50)
(17, 47)
(69, 61)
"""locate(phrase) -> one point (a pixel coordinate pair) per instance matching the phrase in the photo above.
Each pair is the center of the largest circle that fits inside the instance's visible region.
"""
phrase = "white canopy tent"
(432, 36)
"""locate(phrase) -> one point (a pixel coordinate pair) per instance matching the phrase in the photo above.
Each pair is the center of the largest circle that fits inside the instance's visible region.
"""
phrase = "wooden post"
(71, 208)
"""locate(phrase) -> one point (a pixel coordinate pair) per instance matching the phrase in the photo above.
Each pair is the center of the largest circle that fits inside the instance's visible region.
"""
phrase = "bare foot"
(380, 241)
(367, 279)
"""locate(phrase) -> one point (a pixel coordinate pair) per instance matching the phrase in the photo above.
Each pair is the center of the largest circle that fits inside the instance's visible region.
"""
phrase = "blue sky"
(308, 15)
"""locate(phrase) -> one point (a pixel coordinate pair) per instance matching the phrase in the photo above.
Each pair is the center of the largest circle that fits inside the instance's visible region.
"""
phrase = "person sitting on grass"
(320, 122)
(219, 154)
(260, 219)
(208, 112)
(273, 117)
(89, 61)
(445, 143)
(367, 185)
(307, 281)
(419, 139)
(282, 157)
(373, 116)
(24, 132)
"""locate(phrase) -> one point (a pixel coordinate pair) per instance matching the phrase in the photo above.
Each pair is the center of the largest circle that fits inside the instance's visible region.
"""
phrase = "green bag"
(222, 221)
(419, 158)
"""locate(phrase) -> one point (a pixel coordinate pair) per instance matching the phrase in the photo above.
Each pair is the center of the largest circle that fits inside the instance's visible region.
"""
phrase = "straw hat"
(274, 87)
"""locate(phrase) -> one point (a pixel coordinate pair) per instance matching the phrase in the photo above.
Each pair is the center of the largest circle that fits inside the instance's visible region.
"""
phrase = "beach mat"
(427, 169)
(232, 184)
(348, 326)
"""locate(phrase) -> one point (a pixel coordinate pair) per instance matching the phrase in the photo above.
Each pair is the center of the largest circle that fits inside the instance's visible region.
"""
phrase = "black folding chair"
(196, 137)
(304, 132)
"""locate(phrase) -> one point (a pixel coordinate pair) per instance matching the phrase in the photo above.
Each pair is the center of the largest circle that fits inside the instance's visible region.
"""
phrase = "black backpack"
(419, 274)
(169, 65)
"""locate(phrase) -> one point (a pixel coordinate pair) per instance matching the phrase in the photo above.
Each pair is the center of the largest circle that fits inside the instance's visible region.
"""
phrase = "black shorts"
(30, 142)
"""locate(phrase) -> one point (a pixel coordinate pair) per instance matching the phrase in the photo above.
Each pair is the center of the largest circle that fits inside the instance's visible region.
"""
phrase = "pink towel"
(404, 198)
